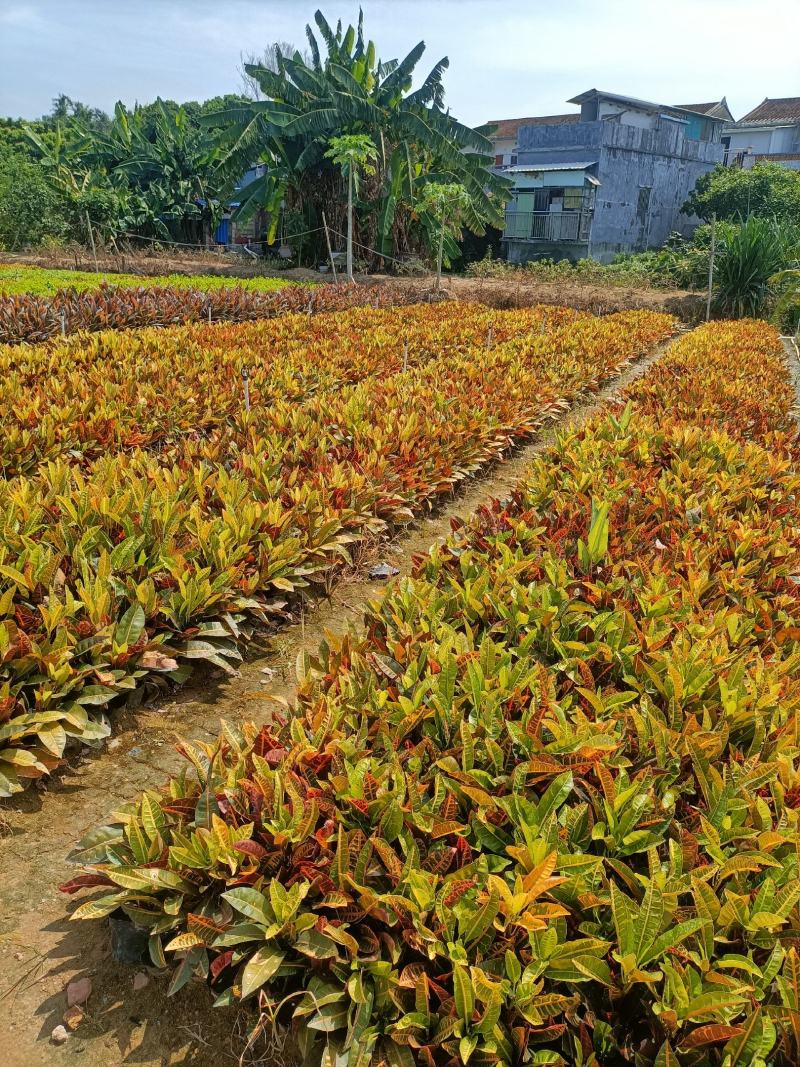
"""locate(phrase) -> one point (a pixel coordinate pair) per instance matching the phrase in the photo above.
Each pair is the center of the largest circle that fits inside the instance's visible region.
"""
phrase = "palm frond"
(432, 90)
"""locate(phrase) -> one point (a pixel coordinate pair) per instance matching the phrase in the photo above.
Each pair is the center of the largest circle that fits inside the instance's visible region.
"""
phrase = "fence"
(547, 226)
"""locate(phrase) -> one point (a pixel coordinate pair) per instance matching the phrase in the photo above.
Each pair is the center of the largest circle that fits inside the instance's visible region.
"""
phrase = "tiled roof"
(718, 109)
(701, 109)
(509, 127)
(773, 112)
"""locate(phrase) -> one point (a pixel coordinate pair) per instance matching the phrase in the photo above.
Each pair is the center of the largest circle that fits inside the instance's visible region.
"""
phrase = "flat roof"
(531, 168)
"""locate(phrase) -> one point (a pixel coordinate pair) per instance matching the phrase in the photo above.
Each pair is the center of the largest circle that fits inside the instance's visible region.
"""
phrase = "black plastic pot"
(129, 942)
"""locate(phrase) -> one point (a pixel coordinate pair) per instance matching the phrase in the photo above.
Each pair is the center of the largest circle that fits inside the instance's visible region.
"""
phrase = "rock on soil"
(59, 1035)
(78, 991)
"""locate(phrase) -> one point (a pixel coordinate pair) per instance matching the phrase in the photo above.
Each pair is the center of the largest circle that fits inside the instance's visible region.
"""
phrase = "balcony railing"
(547, 225)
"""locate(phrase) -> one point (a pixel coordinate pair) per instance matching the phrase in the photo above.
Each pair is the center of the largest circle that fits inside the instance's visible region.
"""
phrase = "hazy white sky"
(507, 57)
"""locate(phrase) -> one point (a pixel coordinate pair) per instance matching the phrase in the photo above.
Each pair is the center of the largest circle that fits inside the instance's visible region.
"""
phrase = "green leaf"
(99, 908)
(481, 920)
(624, 920)
(669, 939)
(250, 903)
(666, 1057)
(463, 993)
(260, 968)
(597, 541)
(742, 1049)
(648, 921)
(186, 969)
(146, 878)
(129, 628)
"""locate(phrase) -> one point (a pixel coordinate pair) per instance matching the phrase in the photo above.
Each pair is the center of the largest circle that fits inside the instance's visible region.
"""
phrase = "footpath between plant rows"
(127, 1019)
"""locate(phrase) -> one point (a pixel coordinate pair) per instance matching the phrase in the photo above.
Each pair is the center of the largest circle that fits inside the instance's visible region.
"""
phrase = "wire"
(186, 244)
(367, 248)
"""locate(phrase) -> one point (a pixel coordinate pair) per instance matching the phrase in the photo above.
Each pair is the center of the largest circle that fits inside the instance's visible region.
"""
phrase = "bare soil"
(177, 261)
(41, 951)
(584, 296)
(497, 292)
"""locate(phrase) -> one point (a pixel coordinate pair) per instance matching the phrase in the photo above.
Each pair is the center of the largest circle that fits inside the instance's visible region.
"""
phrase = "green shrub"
(749, 256)
(767, 190)
(30, 211)
(624, 271)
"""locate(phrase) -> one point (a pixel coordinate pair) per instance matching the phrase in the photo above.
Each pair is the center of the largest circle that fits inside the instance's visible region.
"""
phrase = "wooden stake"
(246, 383)
(91, 238)
(328, 242)
(405, 355)
(711, 264)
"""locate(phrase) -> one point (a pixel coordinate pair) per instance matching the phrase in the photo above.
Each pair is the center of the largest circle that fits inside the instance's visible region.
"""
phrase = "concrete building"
(768, 133)
(611, 178)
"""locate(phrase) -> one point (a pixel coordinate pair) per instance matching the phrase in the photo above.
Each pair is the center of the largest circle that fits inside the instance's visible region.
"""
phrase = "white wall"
(549, 179)
(505, 146)
(644, 120)
(778, 139)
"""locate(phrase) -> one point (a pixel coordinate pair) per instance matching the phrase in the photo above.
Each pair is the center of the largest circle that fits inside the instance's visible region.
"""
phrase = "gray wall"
(627, 218)
(630, 161)
(576, 142)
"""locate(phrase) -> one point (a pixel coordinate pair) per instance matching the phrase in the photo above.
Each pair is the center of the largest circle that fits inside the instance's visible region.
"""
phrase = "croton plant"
(30, 318)
(134, 545)
(545, 809)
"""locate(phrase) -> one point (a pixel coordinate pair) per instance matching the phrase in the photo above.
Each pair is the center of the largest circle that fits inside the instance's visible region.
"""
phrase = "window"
(498, 159)
(573, 199)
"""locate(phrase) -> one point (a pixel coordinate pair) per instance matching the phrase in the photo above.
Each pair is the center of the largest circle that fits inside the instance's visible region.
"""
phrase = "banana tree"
(345, 90)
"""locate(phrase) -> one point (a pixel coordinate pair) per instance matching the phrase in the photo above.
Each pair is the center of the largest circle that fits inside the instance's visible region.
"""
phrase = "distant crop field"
(42, 281)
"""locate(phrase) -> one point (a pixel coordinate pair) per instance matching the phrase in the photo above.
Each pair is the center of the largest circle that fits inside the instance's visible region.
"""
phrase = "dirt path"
(40, 951)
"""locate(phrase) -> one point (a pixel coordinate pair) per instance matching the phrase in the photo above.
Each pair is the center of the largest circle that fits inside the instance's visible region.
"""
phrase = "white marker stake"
(246, 383)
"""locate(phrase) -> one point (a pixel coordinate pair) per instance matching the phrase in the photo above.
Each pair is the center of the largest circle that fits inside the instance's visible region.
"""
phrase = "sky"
(508, 58)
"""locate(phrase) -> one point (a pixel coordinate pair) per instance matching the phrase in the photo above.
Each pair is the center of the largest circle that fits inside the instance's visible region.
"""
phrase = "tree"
(345, 89)
(268, 59)
(65, 110)
(151, 173)
(30, 209)
(767, 190)
(352, 153)
(446, 204)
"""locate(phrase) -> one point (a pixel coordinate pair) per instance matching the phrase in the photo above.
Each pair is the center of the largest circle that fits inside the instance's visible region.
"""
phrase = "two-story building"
(612, 178)
(770, 132)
